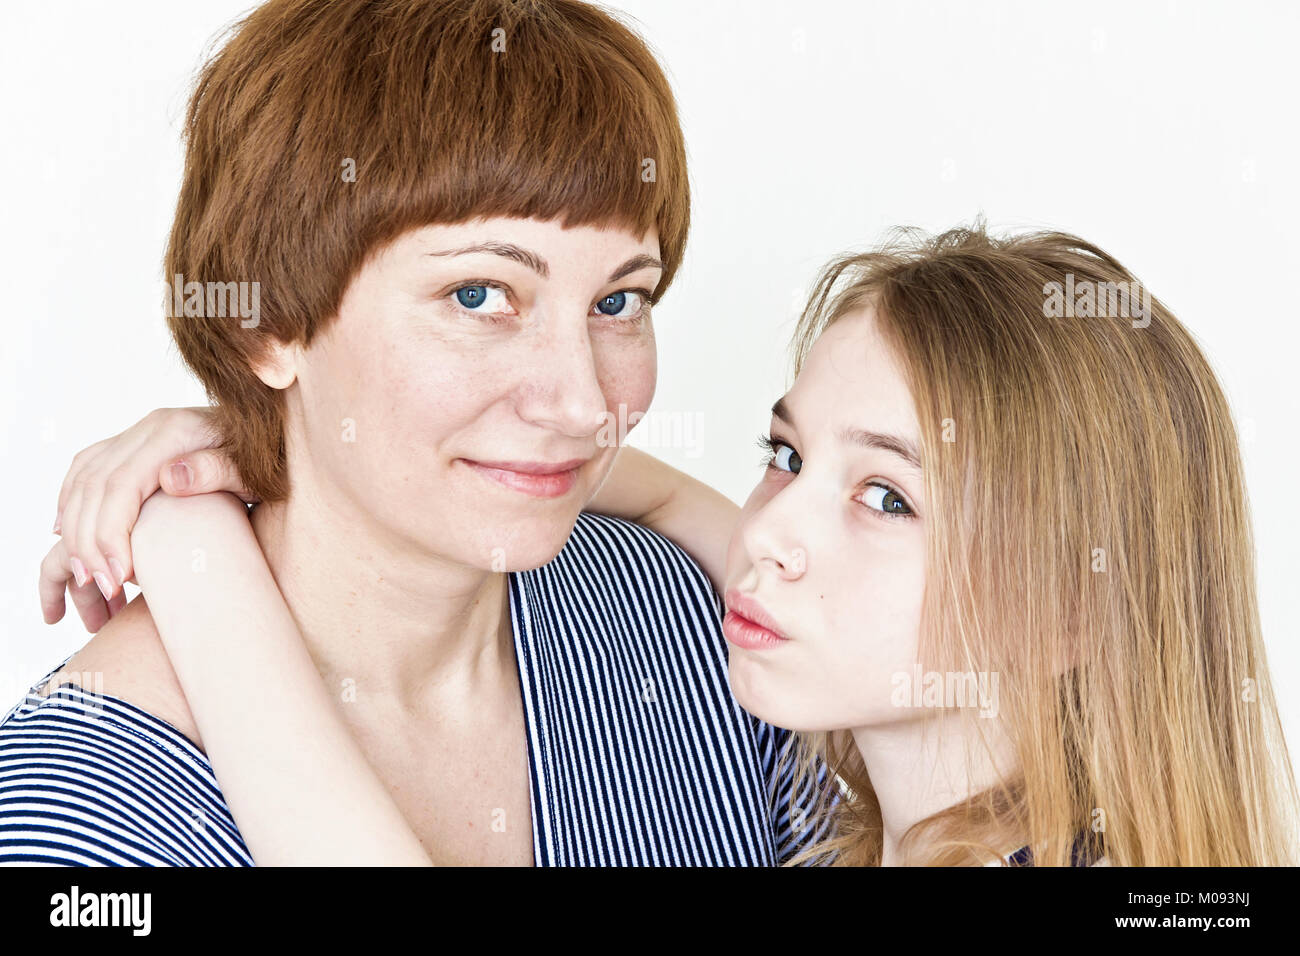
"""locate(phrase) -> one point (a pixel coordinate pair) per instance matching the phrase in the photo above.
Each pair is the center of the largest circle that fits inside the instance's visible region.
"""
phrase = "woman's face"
(830, 550)
(461, 398)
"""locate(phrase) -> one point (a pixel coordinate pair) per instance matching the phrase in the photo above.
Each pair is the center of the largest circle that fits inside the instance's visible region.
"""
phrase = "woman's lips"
(748, 625)
(533, 478)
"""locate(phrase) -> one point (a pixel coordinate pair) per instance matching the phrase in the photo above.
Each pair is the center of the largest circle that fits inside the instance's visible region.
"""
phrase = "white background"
(1164, 132)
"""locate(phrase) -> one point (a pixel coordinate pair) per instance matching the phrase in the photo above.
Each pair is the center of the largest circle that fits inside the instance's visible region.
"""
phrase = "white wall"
(1164, 132)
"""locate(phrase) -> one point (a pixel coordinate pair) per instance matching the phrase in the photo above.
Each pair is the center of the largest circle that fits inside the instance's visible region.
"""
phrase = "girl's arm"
(295, 778)
(700, 519)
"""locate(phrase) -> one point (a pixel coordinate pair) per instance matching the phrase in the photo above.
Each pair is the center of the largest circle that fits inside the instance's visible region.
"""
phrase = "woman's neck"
(922, 766)
(376, 610)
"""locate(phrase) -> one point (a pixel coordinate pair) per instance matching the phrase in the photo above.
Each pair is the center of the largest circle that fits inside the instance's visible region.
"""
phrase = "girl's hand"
(170, 448)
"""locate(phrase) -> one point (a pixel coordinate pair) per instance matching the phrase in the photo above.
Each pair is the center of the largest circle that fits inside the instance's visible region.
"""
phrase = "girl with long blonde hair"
(1088, 542)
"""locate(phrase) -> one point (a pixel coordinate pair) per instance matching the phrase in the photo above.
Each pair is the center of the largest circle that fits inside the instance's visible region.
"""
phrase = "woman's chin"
(519, 545)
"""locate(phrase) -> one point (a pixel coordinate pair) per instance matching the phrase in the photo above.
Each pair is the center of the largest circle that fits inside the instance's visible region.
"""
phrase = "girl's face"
(463, 397)
(826, 569)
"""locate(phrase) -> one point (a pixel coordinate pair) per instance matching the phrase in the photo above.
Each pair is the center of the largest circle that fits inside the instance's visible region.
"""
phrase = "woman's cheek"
(440, 386)
(627, 372)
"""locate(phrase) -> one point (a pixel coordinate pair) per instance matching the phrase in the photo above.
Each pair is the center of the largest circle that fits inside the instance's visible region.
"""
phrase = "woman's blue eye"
(613, 304)
(885, 500)
(620, 305)
(483, 299)
(472, 296)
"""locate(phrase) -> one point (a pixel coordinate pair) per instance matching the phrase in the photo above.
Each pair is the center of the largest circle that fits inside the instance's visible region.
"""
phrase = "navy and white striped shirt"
(637, 752)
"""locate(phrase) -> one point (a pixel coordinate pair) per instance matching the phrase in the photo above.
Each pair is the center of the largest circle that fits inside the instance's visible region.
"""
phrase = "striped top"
(637, 752)
(1086, 850)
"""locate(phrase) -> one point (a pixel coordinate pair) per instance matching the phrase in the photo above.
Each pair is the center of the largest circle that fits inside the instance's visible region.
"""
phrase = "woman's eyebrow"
(635, 264)
(507, 250)
(532, 260)
(901, 447)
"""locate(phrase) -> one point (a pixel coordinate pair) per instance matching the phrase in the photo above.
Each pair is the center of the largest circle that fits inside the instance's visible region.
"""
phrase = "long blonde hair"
(1089, 542)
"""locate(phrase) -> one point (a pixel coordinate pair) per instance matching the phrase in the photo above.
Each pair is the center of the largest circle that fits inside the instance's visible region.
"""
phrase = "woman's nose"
(562, 389)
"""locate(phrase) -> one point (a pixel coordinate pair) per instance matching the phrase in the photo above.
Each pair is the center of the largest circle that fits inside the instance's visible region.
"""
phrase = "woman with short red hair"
(456, 216)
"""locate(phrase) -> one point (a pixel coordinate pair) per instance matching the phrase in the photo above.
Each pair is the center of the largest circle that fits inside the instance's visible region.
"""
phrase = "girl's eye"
(781, 456)
(475, 297)
(621, 305)
(787, 459)
(886, 501)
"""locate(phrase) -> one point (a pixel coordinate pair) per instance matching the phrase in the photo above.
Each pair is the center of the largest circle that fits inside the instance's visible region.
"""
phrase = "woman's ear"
(278, 365)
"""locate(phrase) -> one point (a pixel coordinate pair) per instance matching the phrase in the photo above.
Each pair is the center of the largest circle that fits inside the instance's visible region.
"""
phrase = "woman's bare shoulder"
(126, 659)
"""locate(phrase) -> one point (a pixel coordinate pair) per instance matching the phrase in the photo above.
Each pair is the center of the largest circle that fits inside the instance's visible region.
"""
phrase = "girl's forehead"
(853, 356)
(852, 379)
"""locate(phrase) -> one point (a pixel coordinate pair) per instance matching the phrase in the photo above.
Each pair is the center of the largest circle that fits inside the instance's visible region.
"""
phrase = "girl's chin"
(785, 704)
(754, 691)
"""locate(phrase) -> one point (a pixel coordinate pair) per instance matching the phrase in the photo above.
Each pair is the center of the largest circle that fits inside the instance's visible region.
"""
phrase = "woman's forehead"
(531, 242)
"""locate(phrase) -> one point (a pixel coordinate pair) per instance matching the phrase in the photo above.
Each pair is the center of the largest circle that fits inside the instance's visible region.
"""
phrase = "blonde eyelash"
(911, 512)
(769, 445)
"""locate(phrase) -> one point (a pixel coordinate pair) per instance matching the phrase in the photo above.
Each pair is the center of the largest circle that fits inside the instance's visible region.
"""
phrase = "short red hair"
(449, 110)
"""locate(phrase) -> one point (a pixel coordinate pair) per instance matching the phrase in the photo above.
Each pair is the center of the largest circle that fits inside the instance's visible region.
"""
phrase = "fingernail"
(119, 572)
(58, 522)
(105, 585)
(79, 572)
(181, 476)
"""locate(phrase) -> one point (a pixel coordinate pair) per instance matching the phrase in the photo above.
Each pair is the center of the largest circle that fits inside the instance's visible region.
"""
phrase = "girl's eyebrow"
(893, 444)
(901, 447)
(532, 260)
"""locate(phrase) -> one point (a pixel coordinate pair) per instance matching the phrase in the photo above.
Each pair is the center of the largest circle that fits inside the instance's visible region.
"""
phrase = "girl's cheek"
(879, 599)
